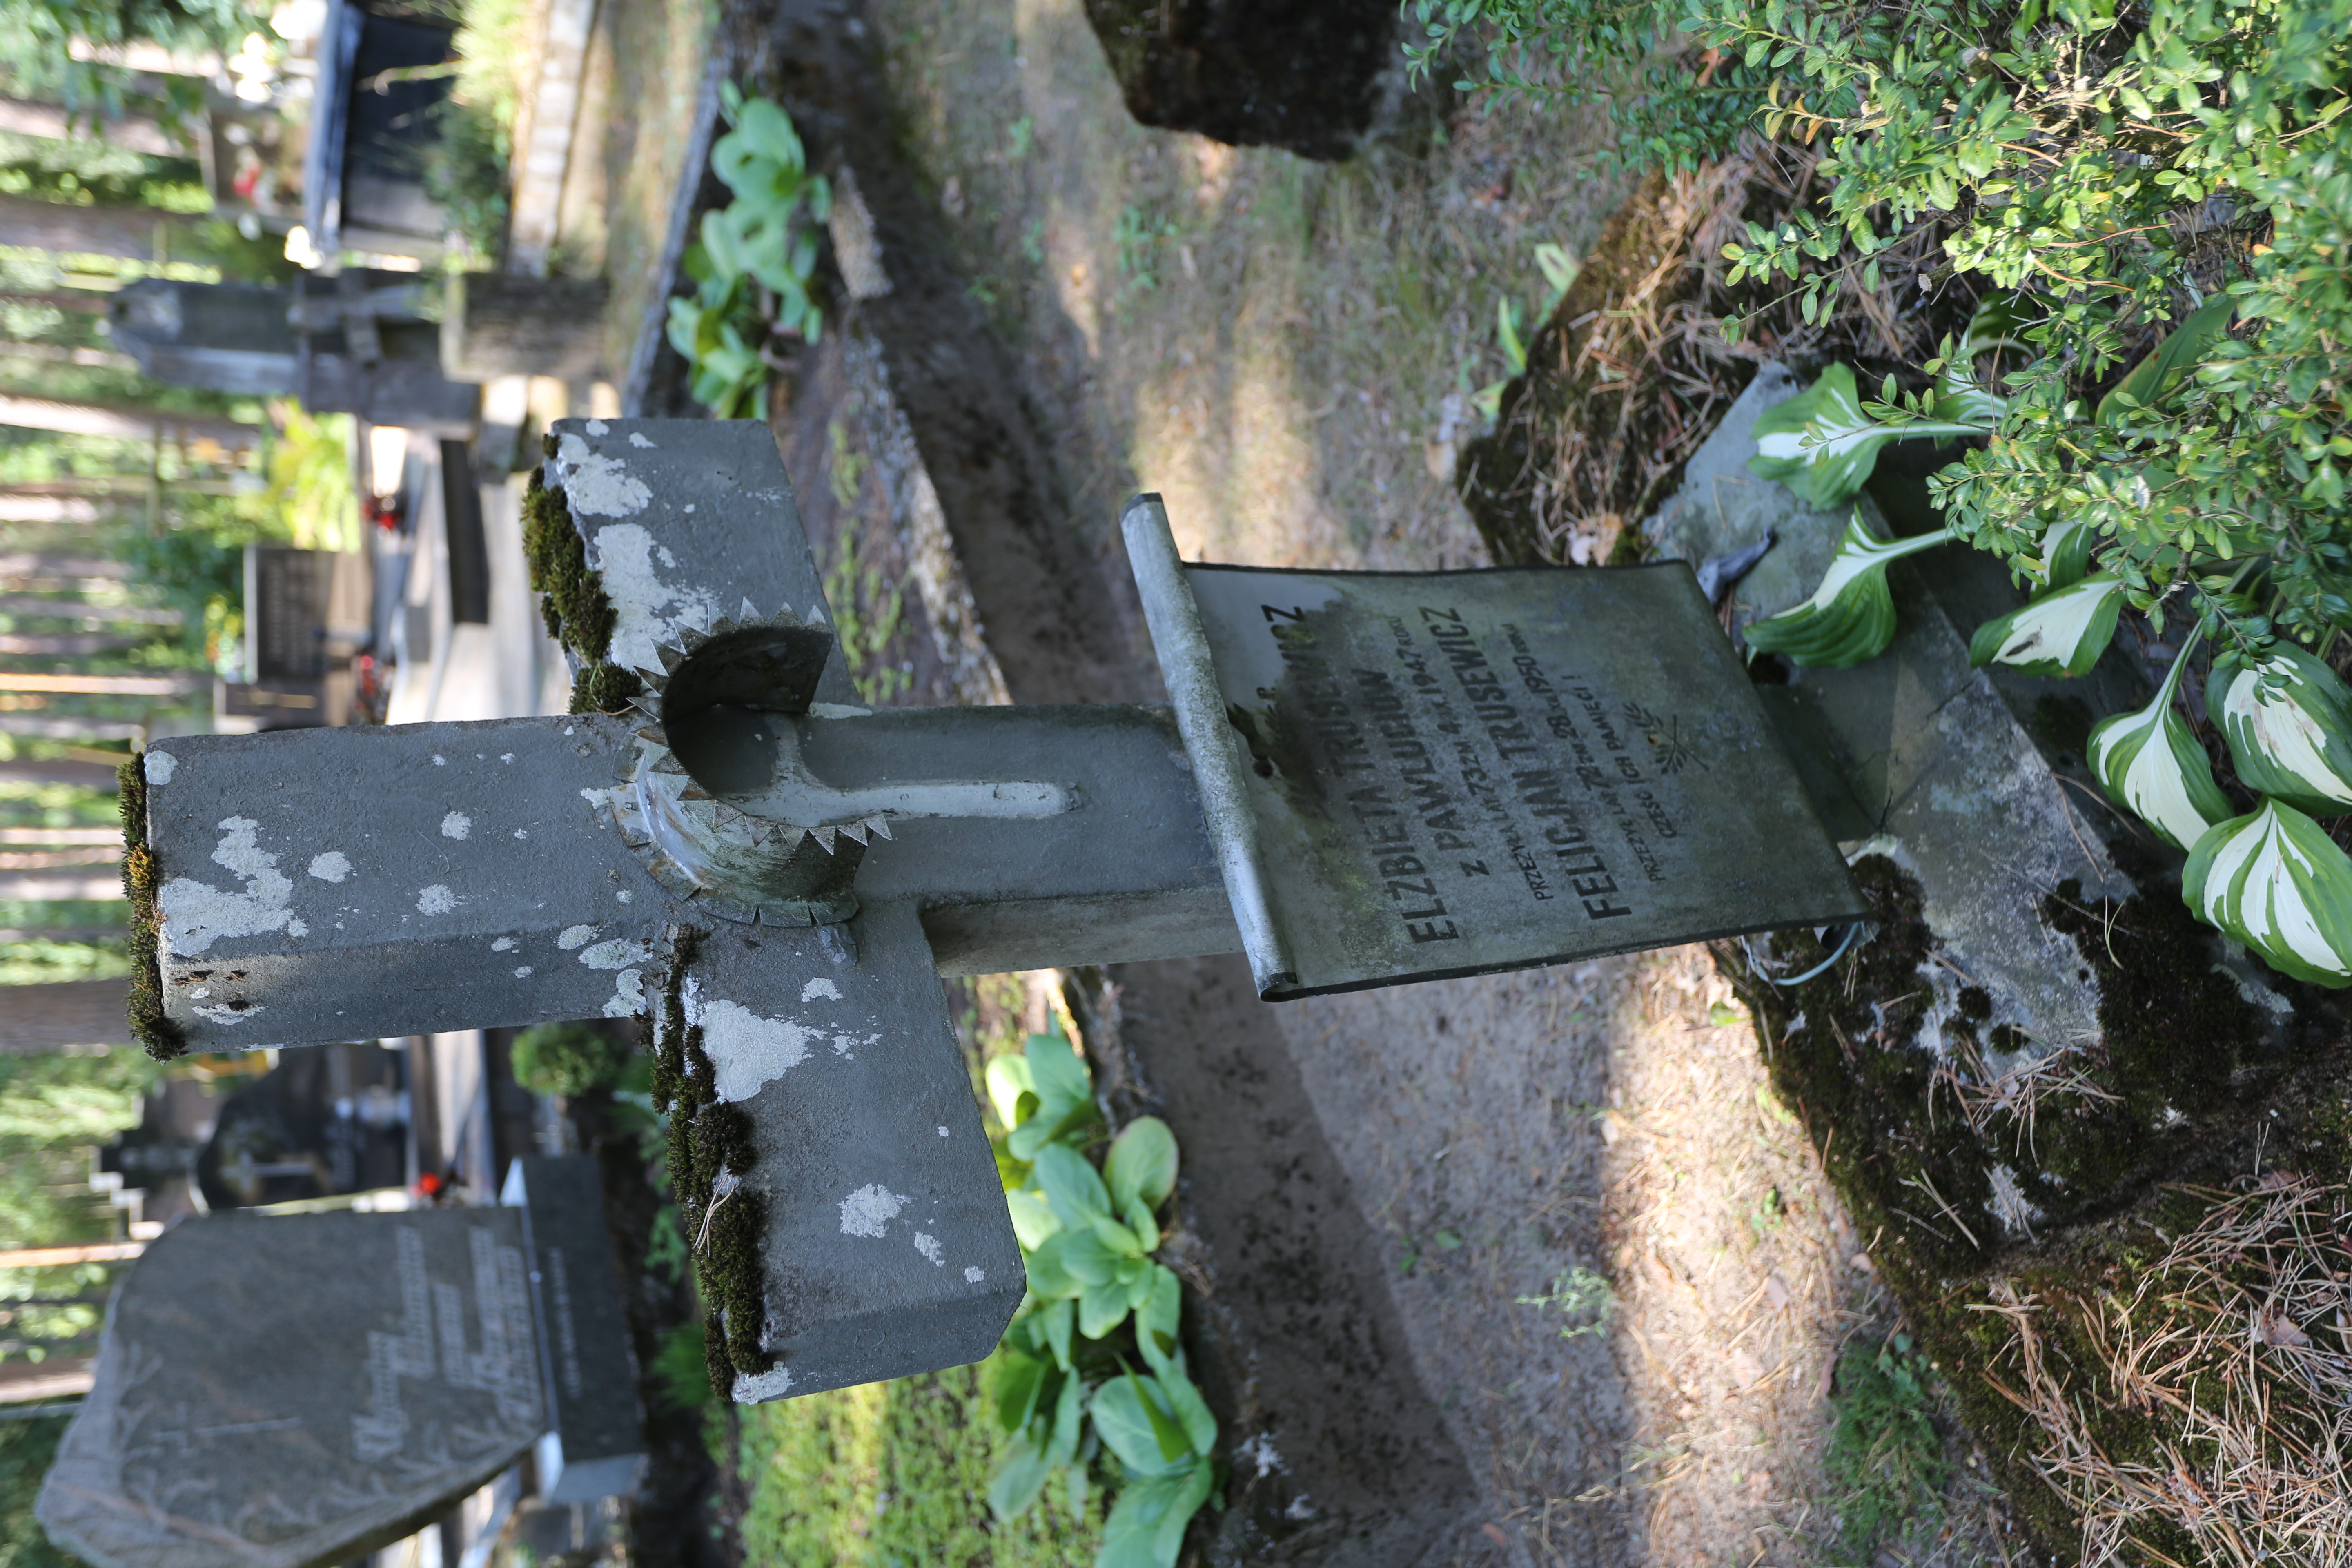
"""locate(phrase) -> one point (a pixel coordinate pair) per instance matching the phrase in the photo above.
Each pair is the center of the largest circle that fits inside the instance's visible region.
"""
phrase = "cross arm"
(335, 884)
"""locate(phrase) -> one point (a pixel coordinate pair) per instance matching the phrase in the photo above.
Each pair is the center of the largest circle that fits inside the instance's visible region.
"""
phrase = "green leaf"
(1083, 1256)
(1008, 1082)
(1146, 1527)
(1021, 1473)
(2063, 632)
(1559, 268)
(1103, 1307)
(1061, 1321)
(1072, 1185)
(2157, 374)
(1018, 1379)
(1033, 1218)
(1506, 332)
(1851, 616)
(2151, 765)
(1141, 1164)
(1132, 1416)
(1962, 398)
(1069, 1416)
(1050, 1276)
(1192, 1411)
(1139, 1220)
(2066, 554)
(2288, 721)
(1823, 446)
(1157, 1319)
(2276, 882)
(1065, 1094)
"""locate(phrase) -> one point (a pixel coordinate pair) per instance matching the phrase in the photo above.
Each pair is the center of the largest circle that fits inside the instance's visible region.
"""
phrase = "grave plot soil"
(1284, 351)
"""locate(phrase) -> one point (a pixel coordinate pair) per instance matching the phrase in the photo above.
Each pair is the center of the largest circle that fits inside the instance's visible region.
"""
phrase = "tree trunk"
(34, 564)
(70, 728)
(64, 1013)
(75, 610)
(69, 353)
(60, 770)
(59, 886)
(179, 684)
(74, 645)
(57, 1256)
(126, 231)
(90, 301)
(136, 132)
(123, 421)
(497, 324)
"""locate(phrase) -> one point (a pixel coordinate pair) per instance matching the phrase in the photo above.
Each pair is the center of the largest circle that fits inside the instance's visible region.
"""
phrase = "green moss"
(578, 612)
(706, 1136)
(150, 1025)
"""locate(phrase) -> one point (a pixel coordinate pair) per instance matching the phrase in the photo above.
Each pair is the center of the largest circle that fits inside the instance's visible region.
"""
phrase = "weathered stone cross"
(1361, 779)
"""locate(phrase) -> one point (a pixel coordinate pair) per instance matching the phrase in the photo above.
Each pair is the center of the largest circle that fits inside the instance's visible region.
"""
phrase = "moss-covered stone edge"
(150, 1025)
(706, 1136)
(1843, 1051)
(578, 612)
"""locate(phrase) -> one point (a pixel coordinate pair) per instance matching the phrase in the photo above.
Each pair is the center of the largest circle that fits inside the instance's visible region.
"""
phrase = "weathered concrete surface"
(376, 1370)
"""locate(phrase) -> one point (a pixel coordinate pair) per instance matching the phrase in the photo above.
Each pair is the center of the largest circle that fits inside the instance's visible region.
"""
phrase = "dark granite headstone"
(595, 1445)
(284, 1392)
(1312, 75)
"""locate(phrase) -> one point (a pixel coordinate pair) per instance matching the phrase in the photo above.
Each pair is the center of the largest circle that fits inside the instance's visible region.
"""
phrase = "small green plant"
(681, 1373)
(1067, 1384)
(1885, 1462)
(1138, 235)
(1587, 1299)
(754, 265)
(868, 612)
(569, 1059)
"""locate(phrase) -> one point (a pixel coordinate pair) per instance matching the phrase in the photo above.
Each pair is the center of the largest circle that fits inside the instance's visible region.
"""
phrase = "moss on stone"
(150, 1025)
(2191, 1089)
(706, 1136)
(574, 603)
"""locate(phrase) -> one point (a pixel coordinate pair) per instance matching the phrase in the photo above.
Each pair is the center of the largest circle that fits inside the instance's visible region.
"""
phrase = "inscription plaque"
(1458, 772)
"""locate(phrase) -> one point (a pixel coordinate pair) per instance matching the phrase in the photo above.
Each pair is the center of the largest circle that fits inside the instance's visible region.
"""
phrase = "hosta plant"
(2061, 632)
(1851, 616)
(2274, 880)
(753, 261)
(2151, 765)
(2288, 723)
(1069, 1388)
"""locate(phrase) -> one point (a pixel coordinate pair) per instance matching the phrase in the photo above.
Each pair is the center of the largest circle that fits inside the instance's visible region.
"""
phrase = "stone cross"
(1361, 779)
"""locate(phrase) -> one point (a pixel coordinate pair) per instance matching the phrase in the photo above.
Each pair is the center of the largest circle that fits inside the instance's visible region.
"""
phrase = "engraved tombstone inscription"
(273, 1392)
(1455, 773)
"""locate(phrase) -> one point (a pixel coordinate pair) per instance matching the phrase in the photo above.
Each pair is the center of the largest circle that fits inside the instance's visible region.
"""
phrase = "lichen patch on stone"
(196, 914)
(332, 867)
(868, 1210)
(749, 1051)
(598, 486)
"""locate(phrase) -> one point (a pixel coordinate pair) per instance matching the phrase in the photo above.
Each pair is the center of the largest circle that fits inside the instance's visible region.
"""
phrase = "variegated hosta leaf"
(2288, 720)
(2276, 882)
(1960, 395)
(2066, 554)
(1823, 446)
(1851, 616)
(2063, 632)
(2151, 765)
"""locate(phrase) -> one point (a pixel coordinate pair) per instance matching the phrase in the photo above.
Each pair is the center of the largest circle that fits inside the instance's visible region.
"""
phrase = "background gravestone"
(1316, 77)
(275, 1392)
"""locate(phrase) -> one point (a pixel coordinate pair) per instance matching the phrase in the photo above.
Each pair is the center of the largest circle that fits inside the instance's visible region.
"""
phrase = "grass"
(1885, 1462)
(894, 1474)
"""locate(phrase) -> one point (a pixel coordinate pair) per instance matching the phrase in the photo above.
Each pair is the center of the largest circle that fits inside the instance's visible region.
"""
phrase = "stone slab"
(1928, 759)
(279, 1392)
(595, 1443)
(1468, 772)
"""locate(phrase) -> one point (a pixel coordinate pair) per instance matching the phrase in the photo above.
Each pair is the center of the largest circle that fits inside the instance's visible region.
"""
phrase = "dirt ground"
(1285, 352)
